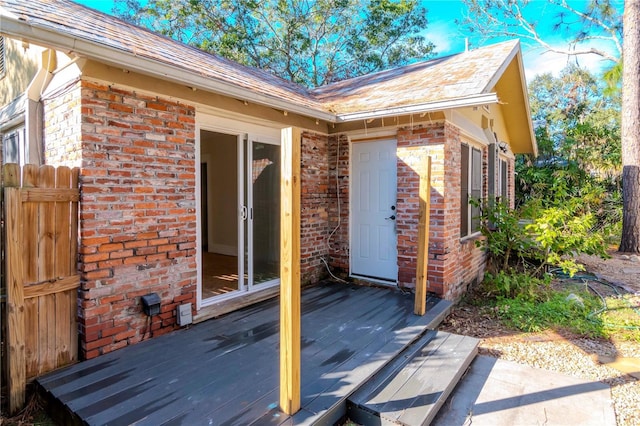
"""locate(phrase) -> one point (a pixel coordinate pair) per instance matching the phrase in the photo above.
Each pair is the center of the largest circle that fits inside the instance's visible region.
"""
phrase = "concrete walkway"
(496, 392)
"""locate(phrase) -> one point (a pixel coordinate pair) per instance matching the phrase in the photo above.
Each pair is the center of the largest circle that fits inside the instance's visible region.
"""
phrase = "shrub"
(506, 285)
(534, 237)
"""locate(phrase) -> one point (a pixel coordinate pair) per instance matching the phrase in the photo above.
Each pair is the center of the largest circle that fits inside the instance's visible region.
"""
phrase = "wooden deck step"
(411, 389)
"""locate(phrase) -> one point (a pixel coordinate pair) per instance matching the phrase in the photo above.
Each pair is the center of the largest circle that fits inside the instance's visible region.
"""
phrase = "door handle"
(392, 217)
(243, 213)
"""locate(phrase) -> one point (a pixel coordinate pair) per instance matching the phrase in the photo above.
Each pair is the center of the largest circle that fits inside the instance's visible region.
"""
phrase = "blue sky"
(449, 38)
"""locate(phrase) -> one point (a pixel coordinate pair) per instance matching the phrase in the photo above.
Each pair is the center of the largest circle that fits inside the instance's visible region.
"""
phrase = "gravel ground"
(564, 353)
(616, 363)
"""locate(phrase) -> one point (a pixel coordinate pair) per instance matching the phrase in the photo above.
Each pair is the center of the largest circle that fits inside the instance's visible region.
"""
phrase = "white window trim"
(478, 146)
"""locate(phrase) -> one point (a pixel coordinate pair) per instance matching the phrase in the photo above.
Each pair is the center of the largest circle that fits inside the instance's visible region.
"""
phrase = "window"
(2, 58)
(504, 189)
(13, 147)
(470, 189)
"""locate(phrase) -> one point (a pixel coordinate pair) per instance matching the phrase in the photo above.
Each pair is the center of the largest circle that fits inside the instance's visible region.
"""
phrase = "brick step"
(411, 389)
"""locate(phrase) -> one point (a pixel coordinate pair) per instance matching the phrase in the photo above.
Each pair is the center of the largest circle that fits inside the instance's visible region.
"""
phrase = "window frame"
(16, 139)
(3, 57)
(503, 179)
(474, 187)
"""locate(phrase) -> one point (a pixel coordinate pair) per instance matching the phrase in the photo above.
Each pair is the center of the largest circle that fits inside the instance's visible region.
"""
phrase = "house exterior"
(179, 163)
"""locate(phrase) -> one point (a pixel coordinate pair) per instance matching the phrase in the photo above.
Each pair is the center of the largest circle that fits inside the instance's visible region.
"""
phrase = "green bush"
(506, 285)
(534, 237)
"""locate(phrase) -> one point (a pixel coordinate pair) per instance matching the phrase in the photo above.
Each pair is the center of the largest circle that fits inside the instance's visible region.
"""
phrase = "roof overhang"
(468, 101)
(14, 27)
(499, 91)
(508, 78)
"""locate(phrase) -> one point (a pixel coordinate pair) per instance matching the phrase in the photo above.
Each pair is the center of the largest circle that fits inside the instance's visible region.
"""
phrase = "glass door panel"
(264, 233)
(219, 219)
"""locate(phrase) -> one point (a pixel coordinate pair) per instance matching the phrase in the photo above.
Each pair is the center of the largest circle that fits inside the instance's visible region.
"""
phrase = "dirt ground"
(620, 269)
(611, 361)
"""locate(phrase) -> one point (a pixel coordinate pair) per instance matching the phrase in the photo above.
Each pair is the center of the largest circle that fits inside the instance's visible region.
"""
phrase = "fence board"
(32, 336)
(47, 227)
(30, 247)
(43, 195)
(62, 224)
(64, 314)
(42, 277)
(15, 301)
(30, 212)
(46, 271)
(73, 260)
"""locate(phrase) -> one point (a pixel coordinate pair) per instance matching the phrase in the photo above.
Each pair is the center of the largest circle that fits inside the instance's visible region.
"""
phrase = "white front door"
(374, 251)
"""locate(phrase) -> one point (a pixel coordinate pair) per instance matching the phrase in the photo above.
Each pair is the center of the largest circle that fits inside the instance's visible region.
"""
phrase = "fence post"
(15, 297)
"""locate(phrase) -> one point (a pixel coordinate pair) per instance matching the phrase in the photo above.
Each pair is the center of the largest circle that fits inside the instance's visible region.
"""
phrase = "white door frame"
(242, 129)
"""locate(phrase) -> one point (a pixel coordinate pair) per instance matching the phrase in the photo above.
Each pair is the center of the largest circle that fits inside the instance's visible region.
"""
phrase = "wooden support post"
(420, 307)
(290, 271)
(16, 360)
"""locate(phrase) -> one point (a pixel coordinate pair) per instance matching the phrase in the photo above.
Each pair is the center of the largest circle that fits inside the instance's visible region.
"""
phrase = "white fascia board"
(13, 27)
(467, 101)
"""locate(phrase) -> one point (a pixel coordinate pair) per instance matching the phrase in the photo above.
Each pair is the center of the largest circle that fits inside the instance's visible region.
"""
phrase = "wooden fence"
(41, 230)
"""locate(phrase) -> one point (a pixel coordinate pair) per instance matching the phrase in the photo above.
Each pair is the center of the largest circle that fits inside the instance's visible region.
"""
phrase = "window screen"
(464, 191)
(504, 188)
(2, 57)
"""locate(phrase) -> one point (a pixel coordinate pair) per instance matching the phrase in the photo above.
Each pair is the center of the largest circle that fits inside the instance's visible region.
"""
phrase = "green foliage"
(561, 233)
(621, 317)
(576, 123)
(556, 311)
(537, 236)
(578, 170)
(311, 43)
(506, 285)
(506, 241)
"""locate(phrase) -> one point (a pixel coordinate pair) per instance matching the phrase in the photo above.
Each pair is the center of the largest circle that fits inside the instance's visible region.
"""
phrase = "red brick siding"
(62, 131)
(338, 187)
(453, 264)
(137, 218)
(314, 207)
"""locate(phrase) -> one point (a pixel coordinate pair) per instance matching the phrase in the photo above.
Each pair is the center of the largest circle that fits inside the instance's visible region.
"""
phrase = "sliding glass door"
(240, 214)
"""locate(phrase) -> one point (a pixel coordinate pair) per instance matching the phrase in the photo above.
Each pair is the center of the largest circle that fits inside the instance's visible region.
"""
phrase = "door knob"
(392, 217)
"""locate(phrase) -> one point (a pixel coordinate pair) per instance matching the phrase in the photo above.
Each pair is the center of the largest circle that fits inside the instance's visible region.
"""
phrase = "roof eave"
(14, 27)
(467, 101)
(516, 55)
(523, 84)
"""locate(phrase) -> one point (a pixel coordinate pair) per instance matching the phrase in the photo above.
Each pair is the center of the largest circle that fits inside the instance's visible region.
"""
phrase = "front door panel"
(374, 189)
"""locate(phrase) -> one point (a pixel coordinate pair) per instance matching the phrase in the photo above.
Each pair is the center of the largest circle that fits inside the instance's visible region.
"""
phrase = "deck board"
(225, 370)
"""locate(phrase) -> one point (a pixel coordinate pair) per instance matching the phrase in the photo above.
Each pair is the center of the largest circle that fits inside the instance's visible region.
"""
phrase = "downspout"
(34, 110)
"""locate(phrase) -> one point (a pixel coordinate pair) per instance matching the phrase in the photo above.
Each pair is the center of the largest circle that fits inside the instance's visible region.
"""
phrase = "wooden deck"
(225, 371)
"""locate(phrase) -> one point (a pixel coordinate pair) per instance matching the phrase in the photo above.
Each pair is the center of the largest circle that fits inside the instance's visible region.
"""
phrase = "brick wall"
(138, 223)
(137, 218)
(314, 206)
(338, 192)
(453, 264)
(62, 131)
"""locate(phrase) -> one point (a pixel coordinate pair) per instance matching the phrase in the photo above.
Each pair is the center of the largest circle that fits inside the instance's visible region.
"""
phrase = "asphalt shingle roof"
(452, 77)
(457, 76)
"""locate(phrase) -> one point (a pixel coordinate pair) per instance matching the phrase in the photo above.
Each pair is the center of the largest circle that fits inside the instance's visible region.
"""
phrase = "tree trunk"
(630, 241)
